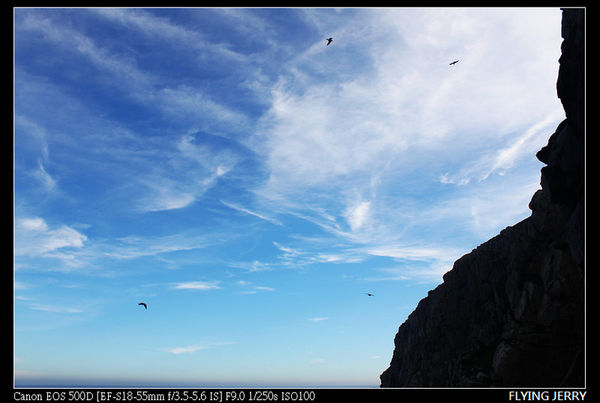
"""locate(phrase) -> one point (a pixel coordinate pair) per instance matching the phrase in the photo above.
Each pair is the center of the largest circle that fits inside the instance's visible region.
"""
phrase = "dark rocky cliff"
(511, 312)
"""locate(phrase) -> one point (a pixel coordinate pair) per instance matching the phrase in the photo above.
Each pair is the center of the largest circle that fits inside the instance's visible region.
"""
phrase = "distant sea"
(64, 384)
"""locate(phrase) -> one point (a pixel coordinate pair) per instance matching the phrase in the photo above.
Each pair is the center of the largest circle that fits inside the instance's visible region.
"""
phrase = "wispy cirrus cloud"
(197, 285)
(76, 41)
(195, 347)
(413, 252)
(369, 153)
(38, 142)
(253, 213)
(184, 350)
(132, 247)
(129, 77)
(249, 288)
(54, 308)
(518, 146)
(160, 28)
(430, 272)
(141, 173)
(357, 215)
(42, 175)
(34, 237)
(73, 250)
(180, 135)
(177, 176)
(363, 124)
(254, 266)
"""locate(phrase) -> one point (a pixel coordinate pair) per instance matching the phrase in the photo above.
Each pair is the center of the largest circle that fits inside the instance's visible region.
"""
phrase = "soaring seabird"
(329, 40)
(143, 303)
(454, 62)
(369, 294)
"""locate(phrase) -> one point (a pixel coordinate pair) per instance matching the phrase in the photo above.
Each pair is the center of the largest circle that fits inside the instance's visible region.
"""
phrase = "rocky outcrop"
(511, 312)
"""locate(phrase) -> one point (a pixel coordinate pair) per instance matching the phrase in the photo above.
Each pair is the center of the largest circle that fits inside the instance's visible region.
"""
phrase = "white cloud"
(263, 288)
(33, 237)
(195, 347)
(491, 211)
(197, 285)
(288, 252)
(447, 179)
(53, 308)
(133, 247)
(419, 263)
(18, 285)
(413, 252)
(182, 173)
(360, 122)
(253, 289)
(253, 213)
(252, 267)
(323, 134)
(35, 224)
(44, 177)
(350, 256)
(504, 157)
(63, 35)
(140, 85)
(162, 29)
(150, 173)
(39, 136)
(368, 145)
(338, 134)
(431, 272)
(163, 196)
(256, 289)
(37, 132)
(527, 144)
(189, 102)
(312, 252)
(357, 215)
(182, 350)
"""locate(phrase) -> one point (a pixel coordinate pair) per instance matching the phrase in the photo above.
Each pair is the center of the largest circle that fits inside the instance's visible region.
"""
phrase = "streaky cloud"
(250, 212)
(197, 285)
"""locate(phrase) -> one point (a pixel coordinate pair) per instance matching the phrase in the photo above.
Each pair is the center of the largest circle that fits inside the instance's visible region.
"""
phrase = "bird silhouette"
(369, 294)
(454, 62)
(143, 303)
(329, 40)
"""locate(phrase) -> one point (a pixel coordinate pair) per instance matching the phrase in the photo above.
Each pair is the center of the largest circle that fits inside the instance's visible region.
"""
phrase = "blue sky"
(251, 184)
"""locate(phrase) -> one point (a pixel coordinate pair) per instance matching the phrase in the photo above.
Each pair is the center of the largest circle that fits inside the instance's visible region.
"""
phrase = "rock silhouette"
(511, 312)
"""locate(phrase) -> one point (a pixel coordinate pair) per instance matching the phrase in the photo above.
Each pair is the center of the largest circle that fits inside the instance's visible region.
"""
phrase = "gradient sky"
(251, 184)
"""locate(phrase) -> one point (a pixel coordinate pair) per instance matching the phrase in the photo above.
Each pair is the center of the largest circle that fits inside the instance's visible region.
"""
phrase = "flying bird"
(454, 62)
(329, 40)
(143, 303)
(369, 294)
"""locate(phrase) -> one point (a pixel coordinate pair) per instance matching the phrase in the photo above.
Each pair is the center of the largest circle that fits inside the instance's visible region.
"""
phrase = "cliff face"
(511, 312)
